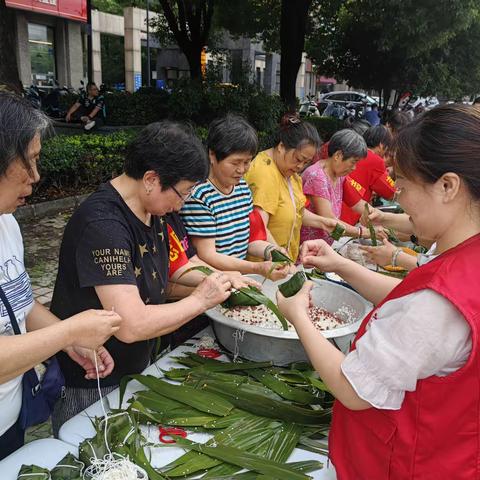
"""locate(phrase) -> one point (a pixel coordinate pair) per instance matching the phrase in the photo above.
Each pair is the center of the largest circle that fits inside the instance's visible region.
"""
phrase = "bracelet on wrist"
(395, 255)
(360, 231)
(267, 252)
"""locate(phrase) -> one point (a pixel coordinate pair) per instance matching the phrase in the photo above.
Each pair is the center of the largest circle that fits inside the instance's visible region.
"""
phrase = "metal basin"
(283, 347)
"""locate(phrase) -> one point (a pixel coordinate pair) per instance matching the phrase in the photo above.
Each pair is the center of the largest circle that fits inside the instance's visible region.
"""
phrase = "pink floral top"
(317, 183)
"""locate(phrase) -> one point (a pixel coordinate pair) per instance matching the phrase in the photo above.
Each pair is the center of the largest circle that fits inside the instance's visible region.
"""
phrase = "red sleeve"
(324, 151)
(257, 227)
(384, 186)
(178, 255)
(352, 192)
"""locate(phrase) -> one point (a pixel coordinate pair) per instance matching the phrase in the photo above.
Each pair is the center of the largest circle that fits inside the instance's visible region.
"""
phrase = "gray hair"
(349, 142)
(19, 123)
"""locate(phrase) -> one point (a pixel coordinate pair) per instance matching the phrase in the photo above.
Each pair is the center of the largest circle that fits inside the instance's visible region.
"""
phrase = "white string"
(238, 336)
(112, 466)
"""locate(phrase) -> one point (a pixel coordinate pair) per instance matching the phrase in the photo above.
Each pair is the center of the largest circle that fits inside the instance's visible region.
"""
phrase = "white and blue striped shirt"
(210, 213)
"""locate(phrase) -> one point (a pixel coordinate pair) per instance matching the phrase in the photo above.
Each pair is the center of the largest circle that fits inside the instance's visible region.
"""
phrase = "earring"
(148, 190)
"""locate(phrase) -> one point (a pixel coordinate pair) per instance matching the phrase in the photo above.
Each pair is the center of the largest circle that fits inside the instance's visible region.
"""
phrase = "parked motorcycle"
(308, 108)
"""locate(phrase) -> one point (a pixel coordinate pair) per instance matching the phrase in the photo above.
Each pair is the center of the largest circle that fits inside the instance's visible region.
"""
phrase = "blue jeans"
(11, 440)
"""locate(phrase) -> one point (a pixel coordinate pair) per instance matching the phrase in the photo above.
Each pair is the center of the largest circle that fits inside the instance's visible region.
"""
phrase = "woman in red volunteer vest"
(408, 393)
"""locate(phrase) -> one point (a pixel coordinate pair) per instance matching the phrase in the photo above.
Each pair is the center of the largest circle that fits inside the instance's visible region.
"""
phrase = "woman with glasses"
(276, 185)
(218, 215)
(115, 255)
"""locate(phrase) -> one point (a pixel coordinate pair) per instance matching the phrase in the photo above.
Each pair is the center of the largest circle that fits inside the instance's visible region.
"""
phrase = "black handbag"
(38, 394)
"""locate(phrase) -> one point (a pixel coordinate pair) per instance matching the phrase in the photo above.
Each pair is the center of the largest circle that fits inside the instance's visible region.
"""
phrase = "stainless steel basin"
(283, 347)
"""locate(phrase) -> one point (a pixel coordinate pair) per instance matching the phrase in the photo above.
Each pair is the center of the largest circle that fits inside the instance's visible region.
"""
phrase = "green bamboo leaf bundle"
(293, 285)
(33, 472)
(280, 257)
(68, 468)
(338, 231)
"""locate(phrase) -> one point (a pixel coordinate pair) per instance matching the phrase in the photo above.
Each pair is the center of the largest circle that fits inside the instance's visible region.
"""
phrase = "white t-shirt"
(15, 282)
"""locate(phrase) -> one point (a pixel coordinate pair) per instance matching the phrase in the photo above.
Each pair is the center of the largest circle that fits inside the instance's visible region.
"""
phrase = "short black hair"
(19, 123)
(359, 125)
(231, 134)
(377, 135)
(294, 133)
(398, 120)
(170, 149)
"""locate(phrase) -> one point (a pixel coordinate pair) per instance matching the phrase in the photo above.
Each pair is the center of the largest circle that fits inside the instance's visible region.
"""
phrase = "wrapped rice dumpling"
(33, 472)
(338, 231)
(293, 286)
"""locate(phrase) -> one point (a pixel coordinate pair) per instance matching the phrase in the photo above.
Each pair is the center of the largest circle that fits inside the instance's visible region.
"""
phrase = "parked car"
(355, 99)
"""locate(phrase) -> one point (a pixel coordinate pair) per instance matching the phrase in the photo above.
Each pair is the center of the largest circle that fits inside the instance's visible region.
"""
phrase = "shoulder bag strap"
(13, 319)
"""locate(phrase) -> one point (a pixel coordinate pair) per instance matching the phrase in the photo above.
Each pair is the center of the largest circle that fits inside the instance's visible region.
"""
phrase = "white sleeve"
(411, 338)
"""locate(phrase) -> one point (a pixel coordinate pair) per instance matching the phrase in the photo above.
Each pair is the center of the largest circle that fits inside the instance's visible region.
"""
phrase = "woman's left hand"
(296, 307)
(239, 281)
(85, 358)
(381, 255)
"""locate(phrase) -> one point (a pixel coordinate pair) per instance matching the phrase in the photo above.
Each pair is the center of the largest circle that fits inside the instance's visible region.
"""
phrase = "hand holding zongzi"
(295, 308)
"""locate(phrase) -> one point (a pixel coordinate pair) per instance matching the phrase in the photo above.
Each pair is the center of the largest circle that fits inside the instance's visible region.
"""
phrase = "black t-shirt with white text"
(104, 243)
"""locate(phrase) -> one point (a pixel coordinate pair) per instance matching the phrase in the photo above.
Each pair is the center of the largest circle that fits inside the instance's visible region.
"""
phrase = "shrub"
(82, 160)
(326, 126)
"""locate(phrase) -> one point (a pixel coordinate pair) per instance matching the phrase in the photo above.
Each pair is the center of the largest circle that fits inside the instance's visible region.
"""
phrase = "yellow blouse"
(281, 198)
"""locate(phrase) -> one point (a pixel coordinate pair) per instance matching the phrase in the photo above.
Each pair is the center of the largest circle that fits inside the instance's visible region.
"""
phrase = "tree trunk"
(8, 60)
(292, 41)
(194, 62)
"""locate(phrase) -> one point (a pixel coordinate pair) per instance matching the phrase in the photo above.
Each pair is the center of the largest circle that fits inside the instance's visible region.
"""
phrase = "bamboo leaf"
(286, 391)
(256, 295)
(293, 285)
(280, 257)
(203, 401)
(373, 235)
(199, 268)
(244, 459)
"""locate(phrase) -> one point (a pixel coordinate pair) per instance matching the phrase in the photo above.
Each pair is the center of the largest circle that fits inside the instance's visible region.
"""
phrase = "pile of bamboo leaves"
(256, 413)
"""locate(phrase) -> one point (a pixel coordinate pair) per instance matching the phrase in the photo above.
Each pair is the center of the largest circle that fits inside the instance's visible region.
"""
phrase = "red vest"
(436, 433)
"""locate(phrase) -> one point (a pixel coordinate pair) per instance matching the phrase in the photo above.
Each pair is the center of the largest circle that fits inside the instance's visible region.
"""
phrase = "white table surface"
(45, 453)
(75, 430)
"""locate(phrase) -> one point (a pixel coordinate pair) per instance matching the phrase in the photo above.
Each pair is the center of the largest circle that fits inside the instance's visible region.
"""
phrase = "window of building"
(42, 53)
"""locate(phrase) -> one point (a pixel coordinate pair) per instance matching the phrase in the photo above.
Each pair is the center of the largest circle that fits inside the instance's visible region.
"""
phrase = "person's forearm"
(310, 219)
(93, 113)
(157, 320)
(257, 248)
(73, 108)
(371, 285)
(40, 317)
(407, 261)
(226, 262)
(19, 353)
(177, 291)
(327, 360)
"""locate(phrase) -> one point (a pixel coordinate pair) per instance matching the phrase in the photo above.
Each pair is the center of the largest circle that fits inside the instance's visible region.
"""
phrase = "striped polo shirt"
(210, 213)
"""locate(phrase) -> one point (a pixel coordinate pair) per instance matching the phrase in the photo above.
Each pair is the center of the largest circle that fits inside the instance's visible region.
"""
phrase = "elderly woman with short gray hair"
(323, 184)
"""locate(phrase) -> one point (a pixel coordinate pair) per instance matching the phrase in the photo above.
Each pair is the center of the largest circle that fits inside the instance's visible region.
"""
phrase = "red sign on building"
(71, 9)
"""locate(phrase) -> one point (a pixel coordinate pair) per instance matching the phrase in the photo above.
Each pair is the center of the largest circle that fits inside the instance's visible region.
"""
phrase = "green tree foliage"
(388, 44)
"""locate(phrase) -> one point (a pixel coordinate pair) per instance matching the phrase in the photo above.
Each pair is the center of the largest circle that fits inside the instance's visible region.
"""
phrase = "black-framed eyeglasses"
(185, 197)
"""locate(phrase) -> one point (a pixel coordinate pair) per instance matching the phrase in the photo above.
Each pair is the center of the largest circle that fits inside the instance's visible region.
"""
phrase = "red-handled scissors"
(168, 431)
(208, 352)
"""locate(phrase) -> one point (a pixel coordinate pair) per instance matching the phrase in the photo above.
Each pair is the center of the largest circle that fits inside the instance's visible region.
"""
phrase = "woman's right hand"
(317, 253)
(213, 290)
(92, 328)
(375, 216)
(381, 255)
(273, 272)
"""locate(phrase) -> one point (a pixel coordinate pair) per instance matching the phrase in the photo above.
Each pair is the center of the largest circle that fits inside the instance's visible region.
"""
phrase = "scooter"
(308, 108)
